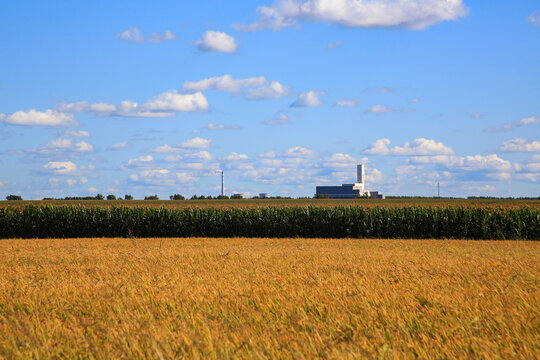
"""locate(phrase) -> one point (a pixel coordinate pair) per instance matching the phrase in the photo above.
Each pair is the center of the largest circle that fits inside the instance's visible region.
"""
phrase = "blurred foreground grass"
(268, 298)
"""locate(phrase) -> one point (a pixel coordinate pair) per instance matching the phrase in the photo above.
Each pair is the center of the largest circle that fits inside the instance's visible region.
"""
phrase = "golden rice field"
(269, 298)
(259, 203)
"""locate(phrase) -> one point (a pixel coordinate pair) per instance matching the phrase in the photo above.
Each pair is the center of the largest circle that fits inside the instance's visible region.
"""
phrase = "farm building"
(349, 191)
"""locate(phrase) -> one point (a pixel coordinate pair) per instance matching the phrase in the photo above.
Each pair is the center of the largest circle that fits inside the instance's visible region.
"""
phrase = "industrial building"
(349, 191)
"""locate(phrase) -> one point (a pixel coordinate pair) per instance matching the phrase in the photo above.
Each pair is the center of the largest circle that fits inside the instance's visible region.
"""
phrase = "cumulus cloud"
(196, 143)
(532, 120)
(419, 147)
(352, 102)
(140, 160)
(534, 18)
(309, 99)
(299, 152)
(235, 157)
(404, 14)
(379, 109)
(340, 160)
(38, 118)
(217, 41)
(60, 168)
(415, 100)
(520, 145)
(134, 35)
(166, 104)
(254, 88)
(281, 119)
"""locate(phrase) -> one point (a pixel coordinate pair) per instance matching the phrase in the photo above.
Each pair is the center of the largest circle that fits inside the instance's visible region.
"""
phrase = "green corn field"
(307, 222)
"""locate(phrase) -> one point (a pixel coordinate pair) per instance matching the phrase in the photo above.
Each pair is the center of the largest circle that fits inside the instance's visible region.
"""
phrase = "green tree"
(14, 197)
(111, 197)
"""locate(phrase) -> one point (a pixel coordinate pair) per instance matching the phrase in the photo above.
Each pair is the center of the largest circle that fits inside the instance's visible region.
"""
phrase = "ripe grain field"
(269, 298)
(262, 203)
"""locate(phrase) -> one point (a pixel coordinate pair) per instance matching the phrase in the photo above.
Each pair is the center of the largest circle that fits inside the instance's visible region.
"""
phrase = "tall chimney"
(360, 173)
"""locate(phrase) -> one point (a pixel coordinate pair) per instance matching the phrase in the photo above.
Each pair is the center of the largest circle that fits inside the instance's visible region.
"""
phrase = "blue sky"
(150, 98)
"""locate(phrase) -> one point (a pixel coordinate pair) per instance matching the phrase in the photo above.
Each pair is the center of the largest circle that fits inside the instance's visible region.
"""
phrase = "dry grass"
(258, 203)
(268, 298)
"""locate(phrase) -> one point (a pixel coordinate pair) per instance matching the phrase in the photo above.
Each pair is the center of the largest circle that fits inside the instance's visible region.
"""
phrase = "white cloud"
(140, 159)
(57, 146)
(60, 168)
(235, 157)
(254, 88)
(166, 148)
(532, 177)
(196, 143)
(173, 101)
(76, 133)
(379, 109)
(38, 118)
(83, 146)
(133, 34)
(378, 147)
(488, 162)
(407, 169)
(347, 102)
(271, 90)
(92, 189)
(281, 119)
(166, 104)
(511, 125)
(340, 160)
(308, 99)
(374, 176)
(415, 100)
(80, 106)
(119, 146)
(71, 182)
(534, 18)
(405, 14)
(202, 155)
(217, 41)
(422, 147)
(184, 177)
(520, 145)
(419, 147)
(83, 180)
(299, 151)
